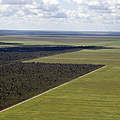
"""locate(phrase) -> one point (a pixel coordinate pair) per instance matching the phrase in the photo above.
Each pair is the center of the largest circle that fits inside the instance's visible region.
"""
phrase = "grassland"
(108, 57)
(64, 40)
(93, 97)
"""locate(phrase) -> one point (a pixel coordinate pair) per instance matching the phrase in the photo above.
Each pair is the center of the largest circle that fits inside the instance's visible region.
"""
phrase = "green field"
(93, 97)
(67, 40)
(108, 57)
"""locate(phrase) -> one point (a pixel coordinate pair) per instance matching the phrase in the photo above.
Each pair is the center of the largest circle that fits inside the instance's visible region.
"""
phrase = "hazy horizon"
(60, 30)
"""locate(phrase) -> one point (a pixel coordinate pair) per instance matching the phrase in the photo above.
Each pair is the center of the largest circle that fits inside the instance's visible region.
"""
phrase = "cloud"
(16, 2)
(71, 11)
(41, 8)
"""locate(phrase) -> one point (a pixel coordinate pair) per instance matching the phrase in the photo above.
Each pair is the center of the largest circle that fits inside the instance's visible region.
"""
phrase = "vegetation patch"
(11, 54)
(28, 52)
(20, 81)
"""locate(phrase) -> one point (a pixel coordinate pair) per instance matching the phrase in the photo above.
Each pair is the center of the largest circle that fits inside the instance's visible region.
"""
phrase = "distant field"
(93, 97)
(64, 40)
(108, 57)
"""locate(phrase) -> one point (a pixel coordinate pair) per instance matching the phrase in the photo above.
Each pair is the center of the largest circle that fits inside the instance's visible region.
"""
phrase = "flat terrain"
(93, 97)
(109, 57)
(60, 40)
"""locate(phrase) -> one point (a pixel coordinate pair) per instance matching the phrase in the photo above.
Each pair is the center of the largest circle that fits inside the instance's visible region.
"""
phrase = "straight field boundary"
(51, 89)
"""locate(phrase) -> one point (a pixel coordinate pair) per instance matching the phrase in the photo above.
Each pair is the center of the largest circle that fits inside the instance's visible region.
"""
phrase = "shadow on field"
(5, 43)
(36, 48)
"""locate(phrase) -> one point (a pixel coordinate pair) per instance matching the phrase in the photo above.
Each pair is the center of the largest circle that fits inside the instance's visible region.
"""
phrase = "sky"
(68, 15)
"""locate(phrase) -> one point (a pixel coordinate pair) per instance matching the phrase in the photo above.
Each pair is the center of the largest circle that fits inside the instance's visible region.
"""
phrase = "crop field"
(94, 96)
